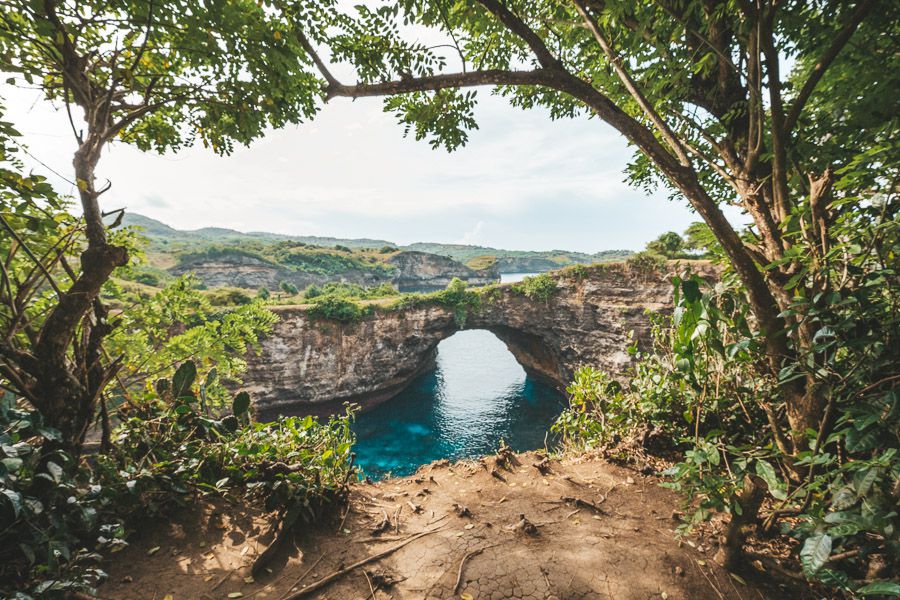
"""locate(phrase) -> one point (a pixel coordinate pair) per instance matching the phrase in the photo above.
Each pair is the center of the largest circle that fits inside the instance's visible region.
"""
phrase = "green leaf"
(815, 552)
(880, 588)
(211, 377)
(241, 404)
(55, 471)
(184, 379)
(15, 499)
(768, 474)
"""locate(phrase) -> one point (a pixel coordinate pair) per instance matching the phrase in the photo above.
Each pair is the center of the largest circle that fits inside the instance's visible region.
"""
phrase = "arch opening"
(477, 394)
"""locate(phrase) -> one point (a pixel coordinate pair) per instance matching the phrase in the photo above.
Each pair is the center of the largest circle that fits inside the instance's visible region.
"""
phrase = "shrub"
(151, 279)
(341, 310)
(538, 287)
(58, 517)
(228, 297)
(700, 389)
(288, 288)
(646, 262)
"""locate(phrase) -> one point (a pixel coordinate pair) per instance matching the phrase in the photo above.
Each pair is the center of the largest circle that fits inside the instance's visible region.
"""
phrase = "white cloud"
(538, 183)
(473, 235)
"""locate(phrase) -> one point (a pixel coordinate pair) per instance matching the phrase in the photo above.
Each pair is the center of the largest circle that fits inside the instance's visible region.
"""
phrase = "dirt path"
(479, 547)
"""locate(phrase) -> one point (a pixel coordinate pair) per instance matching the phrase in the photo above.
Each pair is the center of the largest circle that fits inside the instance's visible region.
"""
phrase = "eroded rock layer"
(587, 321)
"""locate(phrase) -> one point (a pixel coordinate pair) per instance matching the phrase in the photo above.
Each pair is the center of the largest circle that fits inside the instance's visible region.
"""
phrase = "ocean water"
(477, 396)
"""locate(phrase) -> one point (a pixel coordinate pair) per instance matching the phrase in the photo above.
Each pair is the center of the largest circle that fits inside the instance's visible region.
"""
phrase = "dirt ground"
(492, 530)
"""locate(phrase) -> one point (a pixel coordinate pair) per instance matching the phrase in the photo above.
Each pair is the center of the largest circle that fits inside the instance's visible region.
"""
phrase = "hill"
(170, 247)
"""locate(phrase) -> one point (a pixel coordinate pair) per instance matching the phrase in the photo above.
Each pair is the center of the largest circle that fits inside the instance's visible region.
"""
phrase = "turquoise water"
(477, 395)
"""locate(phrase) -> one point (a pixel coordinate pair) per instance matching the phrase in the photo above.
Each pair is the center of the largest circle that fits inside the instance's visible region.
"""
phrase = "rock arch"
(306, 363)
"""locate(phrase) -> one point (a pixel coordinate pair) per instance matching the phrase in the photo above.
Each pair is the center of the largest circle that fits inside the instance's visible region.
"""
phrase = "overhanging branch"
(840, 40)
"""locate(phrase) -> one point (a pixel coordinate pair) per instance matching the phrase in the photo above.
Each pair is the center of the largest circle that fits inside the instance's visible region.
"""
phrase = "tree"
(698, 237)
(668, 244)
(156, 74)
(697, 88)
(288, 288)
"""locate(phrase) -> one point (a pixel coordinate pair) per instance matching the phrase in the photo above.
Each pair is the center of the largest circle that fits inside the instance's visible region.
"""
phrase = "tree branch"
(517, 26)
(840, 40)
(630, 85)
(320, 64)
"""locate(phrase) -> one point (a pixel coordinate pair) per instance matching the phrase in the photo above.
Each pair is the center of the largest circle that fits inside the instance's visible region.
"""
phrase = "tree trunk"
(71, 373)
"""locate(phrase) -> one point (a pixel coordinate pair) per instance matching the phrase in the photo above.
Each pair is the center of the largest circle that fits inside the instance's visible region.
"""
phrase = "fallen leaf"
(236, 595)
(168, 597)
(208, 578)
(738, 578)
(248, 579)
(153, 551)
(465, 596)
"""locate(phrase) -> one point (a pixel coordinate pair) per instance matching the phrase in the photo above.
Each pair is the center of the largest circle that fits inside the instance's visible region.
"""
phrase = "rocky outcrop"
(421, 271)
(588, 321)
(408, 271)
(237, 270)
(523, 264)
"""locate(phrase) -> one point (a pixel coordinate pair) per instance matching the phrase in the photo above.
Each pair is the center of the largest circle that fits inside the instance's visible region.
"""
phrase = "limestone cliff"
(421, 271)
(408, 271)
(586, 322)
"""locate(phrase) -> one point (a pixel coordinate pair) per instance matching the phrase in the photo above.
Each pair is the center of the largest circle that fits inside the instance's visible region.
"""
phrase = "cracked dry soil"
(499, 528)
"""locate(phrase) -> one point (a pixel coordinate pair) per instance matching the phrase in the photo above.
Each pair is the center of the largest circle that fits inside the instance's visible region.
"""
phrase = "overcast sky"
(523, 181)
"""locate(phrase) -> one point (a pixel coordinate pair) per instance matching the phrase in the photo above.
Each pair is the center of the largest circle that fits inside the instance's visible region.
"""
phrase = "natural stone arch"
(589, 320)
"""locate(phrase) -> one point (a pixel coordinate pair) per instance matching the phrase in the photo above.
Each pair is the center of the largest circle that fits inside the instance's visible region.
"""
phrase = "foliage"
(56, 521)
(646, 262)
(339, 309)
(51, 523)
(179, 323)
(537, 287)
(288, 288)
(349, 290)
(225, 296)
(699, 388)
(669, 244)
(485, 261)
(456, 296)
(460, 299)
(698, 237)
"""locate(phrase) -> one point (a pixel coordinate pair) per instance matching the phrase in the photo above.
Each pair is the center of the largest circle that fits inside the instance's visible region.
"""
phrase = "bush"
(646, 262)
(151, 279)
(341, 310)
(700, 389)
(539, 287)
(228, 297)
(57, 517)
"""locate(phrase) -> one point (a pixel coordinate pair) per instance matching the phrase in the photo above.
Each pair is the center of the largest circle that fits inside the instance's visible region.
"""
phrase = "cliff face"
(412, 271)
(252, 273)
(420, 271)
(586, 322)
